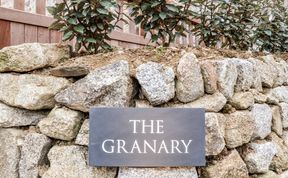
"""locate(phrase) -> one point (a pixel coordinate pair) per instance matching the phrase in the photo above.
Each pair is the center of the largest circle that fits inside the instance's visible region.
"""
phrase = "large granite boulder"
(30, 91)
(83, 135)
(280, 160)
(61, 123)
(15, 117)
(278, 94)
(214, 133)
(239, 127)
(227, 76)
(284, 114)
(157, 173)
(258, 156)
(189, 85)
(269, 174)
(262, 116)
(282, 73)
(156, 81)
(229, 166)
(33, 154)
(110, 85)
(10, 152)
(30, 56)
(242, 100)
(209, 76)
(268, 70)
(70, 162)
(276, 120)
(211, 103)
(245, 70)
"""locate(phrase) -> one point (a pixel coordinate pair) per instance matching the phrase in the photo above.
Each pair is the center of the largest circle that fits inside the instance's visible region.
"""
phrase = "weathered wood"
(24, 17)
(55, 37)
(19, 4)
(16, 33)
(41, 7)
(4, 33)
(43, 35)
(131, 38)
(30, 34)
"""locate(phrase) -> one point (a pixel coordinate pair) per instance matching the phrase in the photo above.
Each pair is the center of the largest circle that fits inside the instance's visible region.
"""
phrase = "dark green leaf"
(79, 29)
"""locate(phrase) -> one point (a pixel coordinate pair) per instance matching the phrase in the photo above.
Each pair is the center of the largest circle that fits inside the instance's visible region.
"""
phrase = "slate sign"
(146, 137)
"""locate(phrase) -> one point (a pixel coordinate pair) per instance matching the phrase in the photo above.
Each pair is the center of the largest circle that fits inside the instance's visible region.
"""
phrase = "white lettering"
(112, 147)
(186, 145)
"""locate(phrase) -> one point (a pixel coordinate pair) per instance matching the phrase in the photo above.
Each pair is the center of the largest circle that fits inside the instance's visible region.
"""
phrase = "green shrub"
(225, 22)
(271, 30)
(259, 25)
(89, 21)
(163, 20)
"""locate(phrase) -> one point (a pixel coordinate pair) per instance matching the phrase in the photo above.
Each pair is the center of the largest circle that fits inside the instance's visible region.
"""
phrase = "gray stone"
(10, 152)
(70, 162)
(33, 154)
(273, 71)
(278, 94)
(283, 174)
(266, 73)
(280, 160)
(285, 137)
(15, 117)
(83, 135)
(282, 74)
(214, 135)
(245, 70)
(239, 128)
(157, 172)
(242, 100)
(69, 71)
(30, 56)
(61, 123)
(157, 82)
(276, 120)
(230, 166)
(258, 156)
(284, 114)
(262, 116)
(259, 98)
(30, 91)
(142, 104)
(269, 174)
(257, 81)
(227, 77)
(110, 85)
(190, 84)
(209, 77)
(211, 103)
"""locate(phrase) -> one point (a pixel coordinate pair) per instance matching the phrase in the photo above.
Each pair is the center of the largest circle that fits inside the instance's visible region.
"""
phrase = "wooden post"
(41, 7)
(19, 4)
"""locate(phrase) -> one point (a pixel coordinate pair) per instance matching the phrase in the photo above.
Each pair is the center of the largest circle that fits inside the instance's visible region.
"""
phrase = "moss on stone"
(3, 59)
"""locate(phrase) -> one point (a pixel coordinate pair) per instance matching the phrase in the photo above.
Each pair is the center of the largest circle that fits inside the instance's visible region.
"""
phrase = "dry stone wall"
(44, 119)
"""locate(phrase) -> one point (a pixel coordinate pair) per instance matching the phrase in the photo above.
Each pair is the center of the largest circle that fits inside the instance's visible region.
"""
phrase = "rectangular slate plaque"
(146, 137)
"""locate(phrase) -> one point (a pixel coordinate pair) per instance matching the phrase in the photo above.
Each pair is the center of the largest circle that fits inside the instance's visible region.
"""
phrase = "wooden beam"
(25, 17)
(130, 38)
